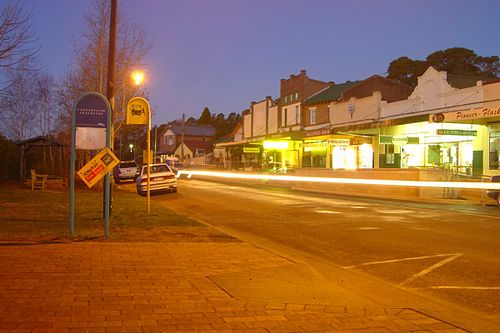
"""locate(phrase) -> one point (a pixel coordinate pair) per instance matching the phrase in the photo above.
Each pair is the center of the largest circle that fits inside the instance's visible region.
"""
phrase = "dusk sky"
(223, 54)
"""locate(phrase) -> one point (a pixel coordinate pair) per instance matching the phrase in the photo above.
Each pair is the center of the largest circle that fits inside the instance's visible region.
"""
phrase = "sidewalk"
(164, 287)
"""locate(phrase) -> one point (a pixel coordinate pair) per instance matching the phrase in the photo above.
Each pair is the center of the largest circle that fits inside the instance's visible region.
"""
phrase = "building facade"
(187, 141)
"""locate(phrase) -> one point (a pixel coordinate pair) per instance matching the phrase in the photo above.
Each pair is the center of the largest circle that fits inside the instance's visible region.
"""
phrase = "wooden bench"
(38, 181)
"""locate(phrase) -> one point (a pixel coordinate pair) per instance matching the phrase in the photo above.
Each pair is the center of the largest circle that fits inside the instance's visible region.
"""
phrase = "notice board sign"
(91, 121)
(99, 166)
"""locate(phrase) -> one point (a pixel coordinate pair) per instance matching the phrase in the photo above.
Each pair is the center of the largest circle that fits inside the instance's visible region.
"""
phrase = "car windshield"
(157, 169)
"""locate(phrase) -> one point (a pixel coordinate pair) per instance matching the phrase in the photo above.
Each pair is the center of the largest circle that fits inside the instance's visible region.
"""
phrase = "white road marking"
(369, 228)
(326, 212)
(358, 207)
(394, 211)
(401, 259)
(431, 268)
(462, 287)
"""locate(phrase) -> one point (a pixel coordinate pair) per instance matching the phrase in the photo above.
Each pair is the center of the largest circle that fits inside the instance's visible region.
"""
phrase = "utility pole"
(110, 93)
(182, 139)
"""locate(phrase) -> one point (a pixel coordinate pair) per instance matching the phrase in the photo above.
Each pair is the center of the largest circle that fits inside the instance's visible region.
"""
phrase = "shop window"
(389, 154)
(495, 150)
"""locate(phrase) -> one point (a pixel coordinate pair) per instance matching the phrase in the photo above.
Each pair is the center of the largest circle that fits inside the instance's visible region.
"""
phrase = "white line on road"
(321, 211)
(431, 268)
(462, 287)
(401, 259)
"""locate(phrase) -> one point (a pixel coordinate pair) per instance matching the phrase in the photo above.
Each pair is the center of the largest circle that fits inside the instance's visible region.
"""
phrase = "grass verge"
(27, 215)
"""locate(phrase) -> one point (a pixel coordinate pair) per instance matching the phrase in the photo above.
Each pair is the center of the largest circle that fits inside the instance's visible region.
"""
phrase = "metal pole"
(182, 139)
(148, 139)
(110, 92)
(72, 174)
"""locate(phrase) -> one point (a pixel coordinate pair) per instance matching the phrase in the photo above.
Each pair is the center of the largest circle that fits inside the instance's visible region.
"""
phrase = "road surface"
(438, 257)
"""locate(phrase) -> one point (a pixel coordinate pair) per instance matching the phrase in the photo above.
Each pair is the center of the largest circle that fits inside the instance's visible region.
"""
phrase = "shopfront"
(280, 155)
(453, 146)
(494, 146)
(315, 153)
(353, 152)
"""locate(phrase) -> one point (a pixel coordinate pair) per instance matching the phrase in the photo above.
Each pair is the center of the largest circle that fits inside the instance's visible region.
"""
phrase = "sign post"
(138, 113)
(90, 129)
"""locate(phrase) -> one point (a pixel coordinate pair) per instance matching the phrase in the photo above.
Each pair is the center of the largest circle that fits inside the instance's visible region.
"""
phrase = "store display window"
(494, 150)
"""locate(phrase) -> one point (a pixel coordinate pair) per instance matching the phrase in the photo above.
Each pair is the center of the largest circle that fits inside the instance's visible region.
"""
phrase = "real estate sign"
(99, 166)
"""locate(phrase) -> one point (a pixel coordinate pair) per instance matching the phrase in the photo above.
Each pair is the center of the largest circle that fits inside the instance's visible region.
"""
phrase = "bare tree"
(45, 93)
(89, 70)
(17, 40)
(18, 103)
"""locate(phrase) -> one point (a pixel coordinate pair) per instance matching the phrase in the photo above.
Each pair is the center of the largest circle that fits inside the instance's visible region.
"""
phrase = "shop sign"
(275, 144)
(315, 144)
(251, 150)
(456, 132)
(339, 142)
(465, 115)
(351, 107)
(399, 140)
(323, 131)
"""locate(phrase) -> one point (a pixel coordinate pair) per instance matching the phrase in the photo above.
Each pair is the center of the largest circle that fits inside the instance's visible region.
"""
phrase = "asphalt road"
(441, 252)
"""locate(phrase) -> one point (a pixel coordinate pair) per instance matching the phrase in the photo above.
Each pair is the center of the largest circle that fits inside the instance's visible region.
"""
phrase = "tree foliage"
(89, 70)
(455, 60)
(222, 125)
(26, 94)
(26, 104)
(205, 117)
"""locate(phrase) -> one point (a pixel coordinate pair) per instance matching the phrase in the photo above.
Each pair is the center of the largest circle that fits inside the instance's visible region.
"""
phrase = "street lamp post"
(131, 149)
(138, 77)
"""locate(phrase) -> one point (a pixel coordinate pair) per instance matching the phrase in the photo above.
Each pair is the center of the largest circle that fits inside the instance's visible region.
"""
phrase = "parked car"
(125, 170)
(162, 178)
(494, 194)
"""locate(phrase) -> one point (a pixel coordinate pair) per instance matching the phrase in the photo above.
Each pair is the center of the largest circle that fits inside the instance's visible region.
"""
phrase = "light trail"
(384, 182)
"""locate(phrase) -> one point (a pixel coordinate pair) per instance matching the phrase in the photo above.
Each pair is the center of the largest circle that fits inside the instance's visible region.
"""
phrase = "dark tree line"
(223, 126)
(456, 60)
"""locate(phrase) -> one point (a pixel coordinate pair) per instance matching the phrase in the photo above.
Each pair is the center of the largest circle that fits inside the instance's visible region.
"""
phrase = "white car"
(125, 170)
(162, 178)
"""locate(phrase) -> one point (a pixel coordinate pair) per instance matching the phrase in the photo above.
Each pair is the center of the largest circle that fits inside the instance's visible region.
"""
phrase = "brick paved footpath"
(163, 287)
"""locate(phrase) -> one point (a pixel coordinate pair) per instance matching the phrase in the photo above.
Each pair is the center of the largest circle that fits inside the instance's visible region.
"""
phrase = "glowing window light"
(385, 182)
(351, 158)
(275, 144)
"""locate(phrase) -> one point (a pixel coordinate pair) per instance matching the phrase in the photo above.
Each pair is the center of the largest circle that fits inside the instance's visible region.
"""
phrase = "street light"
(138, 77)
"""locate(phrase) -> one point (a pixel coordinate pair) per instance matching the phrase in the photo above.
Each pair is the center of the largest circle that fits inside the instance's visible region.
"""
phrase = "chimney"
(303, 72)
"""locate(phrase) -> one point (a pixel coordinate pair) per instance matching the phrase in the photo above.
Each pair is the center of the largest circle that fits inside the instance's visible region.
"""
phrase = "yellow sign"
(99, 166)
(137, 111)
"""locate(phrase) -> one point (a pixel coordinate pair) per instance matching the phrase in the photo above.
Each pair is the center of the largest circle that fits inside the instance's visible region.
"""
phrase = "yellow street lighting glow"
(385, 182)
(275, 144)
(138, 77)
